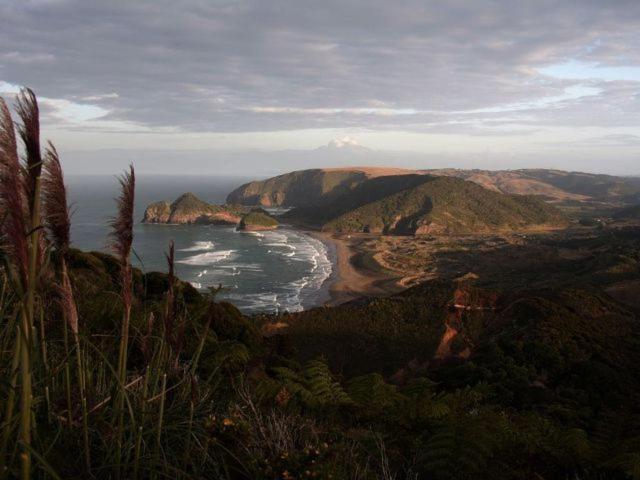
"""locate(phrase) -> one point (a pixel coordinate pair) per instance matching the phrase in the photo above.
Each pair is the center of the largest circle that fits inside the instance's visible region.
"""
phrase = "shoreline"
(349, 281)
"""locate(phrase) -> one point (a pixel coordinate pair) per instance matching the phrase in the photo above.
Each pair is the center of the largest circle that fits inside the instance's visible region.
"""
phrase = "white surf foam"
(252, 233)
(304, 248)
(199, 247)
(208, 258)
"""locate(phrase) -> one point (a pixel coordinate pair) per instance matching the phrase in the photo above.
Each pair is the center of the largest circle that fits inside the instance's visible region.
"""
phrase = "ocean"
(261, 272)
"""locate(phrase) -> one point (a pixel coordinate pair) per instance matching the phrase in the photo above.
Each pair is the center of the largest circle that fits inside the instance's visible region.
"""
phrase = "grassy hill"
(419, 204)
(597, 186)
(320, 186)
(302, 188)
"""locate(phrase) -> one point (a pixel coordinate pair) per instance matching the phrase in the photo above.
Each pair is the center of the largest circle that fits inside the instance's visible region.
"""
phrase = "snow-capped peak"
(343, 142)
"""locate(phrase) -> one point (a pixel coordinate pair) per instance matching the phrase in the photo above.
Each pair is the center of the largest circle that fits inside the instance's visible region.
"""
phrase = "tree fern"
(459, 449)
(372, 391)
(315, 386)
(320, 382)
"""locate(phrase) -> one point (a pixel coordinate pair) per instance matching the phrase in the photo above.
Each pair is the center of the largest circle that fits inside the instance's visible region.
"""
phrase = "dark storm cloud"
(266, 65)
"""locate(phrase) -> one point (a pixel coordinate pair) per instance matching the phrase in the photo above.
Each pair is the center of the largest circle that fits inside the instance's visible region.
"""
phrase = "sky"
(265, 86)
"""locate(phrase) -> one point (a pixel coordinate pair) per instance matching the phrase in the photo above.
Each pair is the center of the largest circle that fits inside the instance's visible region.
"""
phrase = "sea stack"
(188, 209)
(257, 220)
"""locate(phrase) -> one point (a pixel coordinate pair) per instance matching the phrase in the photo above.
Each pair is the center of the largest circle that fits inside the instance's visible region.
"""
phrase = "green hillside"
(416, 204)
(628, 213)
(599, 186)
(301, 188)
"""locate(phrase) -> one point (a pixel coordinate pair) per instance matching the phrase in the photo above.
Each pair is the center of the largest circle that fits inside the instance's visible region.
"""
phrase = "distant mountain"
(346, 145)
(426, 204)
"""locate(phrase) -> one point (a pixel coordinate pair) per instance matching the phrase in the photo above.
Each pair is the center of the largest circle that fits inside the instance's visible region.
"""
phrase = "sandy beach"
(350, 279)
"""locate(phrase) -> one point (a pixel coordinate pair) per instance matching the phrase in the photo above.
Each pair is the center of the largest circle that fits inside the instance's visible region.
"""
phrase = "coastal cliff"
(190, 209)
(157, 212)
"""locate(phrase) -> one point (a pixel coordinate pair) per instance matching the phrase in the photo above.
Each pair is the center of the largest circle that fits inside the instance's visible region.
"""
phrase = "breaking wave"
(208, 258)
(199, 247)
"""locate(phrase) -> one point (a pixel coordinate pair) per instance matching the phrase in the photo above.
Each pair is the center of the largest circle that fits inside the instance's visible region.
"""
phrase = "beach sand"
(352, 280)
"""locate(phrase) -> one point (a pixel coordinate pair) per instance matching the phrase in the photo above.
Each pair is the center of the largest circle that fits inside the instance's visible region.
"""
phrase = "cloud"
(251, 65)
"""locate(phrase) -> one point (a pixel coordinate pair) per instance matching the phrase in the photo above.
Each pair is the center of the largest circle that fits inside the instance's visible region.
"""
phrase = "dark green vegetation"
(257, 219)
(350, 391)
(628, 213)
(423, 204)
(534, 384)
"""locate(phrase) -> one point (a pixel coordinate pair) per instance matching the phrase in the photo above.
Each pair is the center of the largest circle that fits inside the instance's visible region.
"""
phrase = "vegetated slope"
(549, 373)
(628, 213)
(552, 185)
(422, 204)
(596, 186)
(511, 182)
(190, 209)
(305, 187)
(567, 347)
(367, 191)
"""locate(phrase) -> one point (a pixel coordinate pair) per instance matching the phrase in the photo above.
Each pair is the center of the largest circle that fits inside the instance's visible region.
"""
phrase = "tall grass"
(121, 411)
(58, 222)
(20, 230)
(122, 240)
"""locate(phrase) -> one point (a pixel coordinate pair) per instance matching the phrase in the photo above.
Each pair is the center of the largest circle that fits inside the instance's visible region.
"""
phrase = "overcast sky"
(215, 86)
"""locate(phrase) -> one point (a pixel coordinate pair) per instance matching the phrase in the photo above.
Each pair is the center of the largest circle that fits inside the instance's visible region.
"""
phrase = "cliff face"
(157, 212)
(190, 209)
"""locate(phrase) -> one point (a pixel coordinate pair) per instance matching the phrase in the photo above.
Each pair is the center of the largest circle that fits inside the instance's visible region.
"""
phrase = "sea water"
(270, 271)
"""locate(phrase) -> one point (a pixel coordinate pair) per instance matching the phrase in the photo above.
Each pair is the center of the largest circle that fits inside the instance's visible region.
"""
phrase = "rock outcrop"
(157, 212)
(190, 209)
(257, 220)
